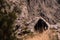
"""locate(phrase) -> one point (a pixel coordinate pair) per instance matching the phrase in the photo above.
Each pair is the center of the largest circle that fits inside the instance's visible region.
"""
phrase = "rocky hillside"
(29, 12)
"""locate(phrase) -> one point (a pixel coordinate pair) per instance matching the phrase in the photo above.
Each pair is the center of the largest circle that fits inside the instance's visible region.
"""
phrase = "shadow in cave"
(40, 26)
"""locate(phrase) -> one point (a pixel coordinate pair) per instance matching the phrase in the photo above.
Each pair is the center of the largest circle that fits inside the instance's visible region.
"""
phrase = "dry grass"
(46, 35)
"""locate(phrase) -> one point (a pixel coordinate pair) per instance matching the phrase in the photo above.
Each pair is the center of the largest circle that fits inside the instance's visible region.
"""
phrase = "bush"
(6, 21)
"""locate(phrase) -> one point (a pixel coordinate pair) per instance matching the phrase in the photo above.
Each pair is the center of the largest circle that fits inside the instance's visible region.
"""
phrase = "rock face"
(30, 11)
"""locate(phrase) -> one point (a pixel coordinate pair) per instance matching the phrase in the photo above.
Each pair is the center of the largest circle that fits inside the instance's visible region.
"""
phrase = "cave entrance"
(40, 26)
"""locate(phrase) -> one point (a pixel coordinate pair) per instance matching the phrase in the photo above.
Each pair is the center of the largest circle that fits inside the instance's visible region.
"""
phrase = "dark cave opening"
(40, 26)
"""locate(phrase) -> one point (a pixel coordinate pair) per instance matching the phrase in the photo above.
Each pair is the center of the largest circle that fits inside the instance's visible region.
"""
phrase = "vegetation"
(6, 21)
